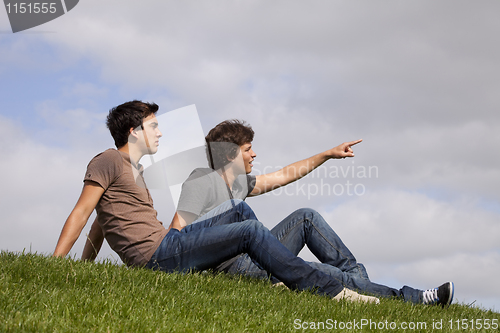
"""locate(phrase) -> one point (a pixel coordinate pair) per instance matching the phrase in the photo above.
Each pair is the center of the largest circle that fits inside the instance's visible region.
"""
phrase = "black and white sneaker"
(442, 295)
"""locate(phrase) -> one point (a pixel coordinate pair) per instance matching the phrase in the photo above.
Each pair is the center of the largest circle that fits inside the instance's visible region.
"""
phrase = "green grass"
(43, 294)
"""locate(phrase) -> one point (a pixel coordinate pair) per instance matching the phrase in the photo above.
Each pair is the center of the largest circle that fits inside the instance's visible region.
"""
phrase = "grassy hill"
(43, 294)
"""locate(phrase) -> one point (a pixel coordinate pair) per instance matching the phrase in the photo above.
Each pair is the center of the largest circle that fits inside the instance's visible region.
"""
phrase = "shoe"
(442, 295)
(279, 284)
(353, 296)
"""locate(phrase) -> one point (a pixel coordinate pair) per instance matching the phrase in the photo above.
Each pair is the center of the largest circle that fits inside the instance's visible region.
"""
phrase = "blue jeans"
(307, 227)
(208, 243)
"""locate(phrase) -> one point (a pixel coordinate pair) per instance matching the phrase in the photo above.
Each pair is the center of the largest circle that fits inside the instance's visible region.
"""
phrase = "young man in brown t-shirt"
(114, 186)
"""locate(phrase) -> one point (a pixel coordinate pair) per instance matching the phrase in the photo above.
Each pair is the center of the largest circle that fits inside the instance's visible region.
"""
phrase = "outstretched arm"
(93, 243)
(297, 170)
(79, 216)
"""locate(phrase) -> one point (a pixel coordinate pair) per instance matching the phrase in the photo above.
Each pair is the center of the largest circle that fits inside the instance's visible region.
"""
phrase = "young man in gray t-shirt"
(230, 155)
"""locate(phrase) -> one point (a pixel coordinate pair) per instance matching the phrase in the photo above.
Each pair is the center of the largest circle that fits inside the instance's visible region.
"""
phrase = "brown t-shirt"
(125, 211)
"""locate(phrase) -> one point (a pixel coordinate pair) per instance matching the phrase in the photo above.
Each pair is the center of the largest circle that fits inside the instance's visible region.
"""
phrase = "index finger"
(352, 143)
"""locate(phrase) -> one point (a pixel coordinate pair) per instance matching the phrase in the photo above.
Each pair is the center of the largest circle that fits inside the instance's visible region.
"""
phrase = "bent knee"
(245, 209)
(237, 201)
(306, 211)
(253, 225)
(240, 203)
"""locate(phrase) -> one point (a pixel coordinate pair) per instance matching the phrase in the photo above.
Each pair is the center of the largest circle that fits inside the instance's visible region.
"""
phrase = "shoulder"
(201, 173)
(200, 181)
(105, 167)
(110, 154)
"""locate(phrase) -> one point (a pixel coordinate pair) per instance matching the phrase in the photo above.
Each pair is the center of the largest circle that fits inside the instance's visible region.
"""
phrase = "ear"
(133, 135)
(133, 132)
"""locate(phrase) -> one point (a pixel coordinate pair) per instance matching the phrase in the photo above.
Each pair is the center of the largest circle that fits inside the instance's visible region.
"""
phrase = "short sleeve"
(251, 180)
(104, 168)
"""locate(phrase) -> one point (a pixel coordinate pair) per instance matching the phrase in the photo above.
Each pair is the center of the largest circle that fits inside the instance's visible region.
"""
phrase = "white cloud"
(40, 186)
(417, 80)
(399, 226)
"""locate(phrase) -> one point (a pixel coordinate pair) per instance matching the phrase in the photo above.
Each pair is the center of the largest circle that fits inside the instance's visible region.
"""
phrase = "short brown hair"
(224, 140)
(126, 116)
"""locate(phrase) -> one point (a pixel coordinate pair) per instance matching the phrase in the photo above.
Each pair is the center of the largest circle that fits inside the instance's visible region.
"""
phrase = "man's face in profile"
(242, 164)
(151, 134)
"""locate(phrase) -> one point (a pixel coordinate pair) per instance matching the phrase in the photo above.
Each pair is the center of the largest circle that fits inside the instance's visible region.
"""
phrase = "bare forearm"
(79, 216)
(288, 174)
(70, 233)
(182, 219)
(299, 169)
(93, 243)
(176, 225)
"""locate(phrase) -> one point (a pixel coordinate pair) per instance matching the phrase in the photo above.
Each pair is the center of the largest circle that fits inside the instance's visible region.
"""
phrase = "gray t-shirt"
(205, 189)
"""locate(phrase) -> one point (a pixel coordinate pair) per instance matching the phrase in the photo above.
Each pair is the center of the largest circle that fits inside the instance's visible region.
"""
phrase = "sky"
(418, 81)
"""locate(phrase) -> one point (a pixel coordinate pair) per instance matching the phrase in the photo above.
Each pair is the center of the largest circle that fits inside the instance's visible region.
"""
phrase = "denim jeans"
(307, 227)
(210, 242)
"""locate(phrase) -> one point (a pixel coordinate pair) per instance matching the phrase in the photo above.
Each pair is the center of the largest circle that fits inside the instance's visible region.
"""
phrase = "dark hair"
(126, 116)
(224, 140)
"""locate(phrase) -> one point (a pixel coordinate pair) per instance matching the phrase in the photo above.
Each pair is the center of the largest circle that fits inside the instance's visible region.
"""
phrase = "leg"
(205, 248)
(231, 211)
(354, 282)
(307, 227)
(226, 207)
(234, 210)
(245, 266)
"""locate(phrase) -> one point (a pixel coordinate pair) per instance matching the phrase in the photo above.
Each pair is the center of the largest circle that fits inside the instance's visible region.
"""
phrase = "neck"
(228, 175)
(135, 155)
